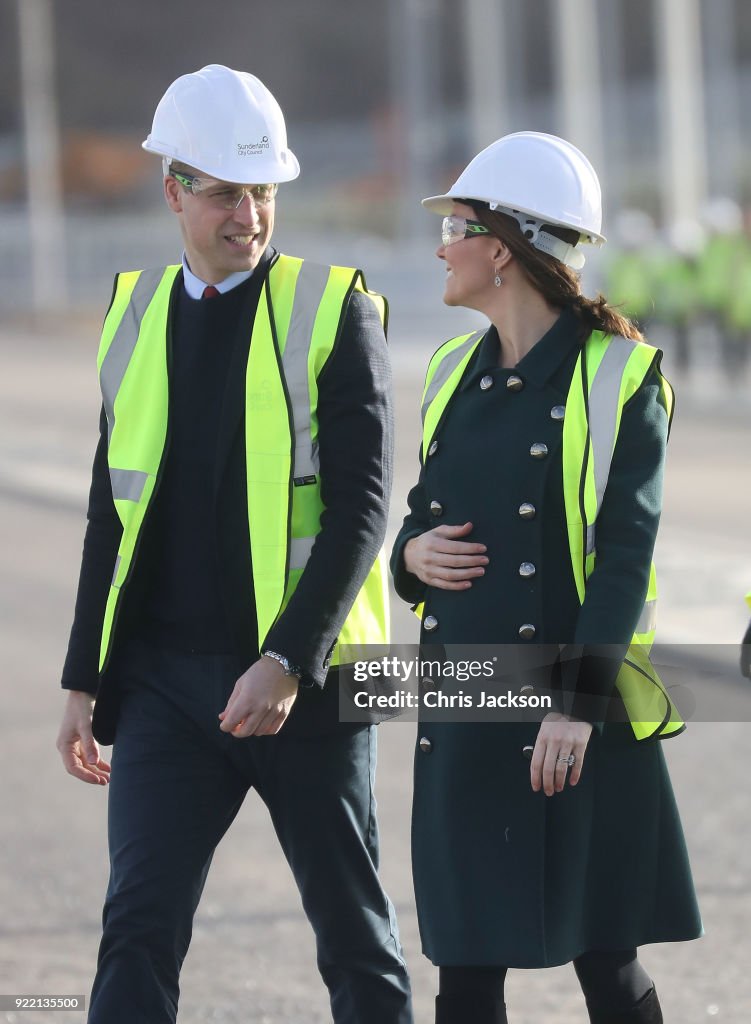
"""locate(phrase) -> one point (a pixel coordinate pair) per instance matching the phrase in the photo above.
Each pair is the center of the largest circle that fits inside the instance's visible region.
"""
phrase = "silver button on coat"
(558, 412)
(514, 383)
(527, 510)
(433, 447)
(425, 745)
(539, 450)
(527, 631)
(526, 569)
(436, 508)
(430, 622)
(486, 382)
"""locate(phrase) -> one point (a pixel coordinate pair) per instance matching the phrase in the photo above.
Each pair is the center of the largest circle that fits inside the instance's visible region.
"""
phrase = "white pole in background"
(724, 120)
(487, 95)
(683, 134)
(42, 153)
(417, 30)
(577, 46)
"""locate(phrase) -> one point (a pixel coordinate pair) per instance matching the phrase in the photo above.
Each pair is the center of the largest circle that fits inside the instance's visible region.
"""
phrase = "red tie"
(210, 291)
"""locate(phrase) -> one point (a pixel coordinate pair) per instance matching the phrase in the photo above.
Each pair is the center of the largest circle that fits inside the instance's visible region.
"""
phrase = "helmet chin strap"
(532, 230)
(568, 254)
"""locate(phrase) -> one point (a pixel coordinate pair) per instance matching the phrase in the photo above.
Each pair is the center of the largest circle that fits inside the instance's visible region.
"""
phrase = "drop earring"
(497, 280)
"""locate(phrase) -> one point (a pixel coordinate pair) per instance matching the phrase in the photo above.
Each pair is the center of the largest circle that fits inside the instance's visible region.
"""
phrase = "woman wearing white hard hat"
(556, 838)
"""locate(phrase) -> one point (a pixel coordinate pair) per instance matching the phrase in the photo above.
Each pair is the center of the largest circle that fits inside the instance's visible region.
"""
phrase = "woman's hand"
(440, 560)
(558, 737)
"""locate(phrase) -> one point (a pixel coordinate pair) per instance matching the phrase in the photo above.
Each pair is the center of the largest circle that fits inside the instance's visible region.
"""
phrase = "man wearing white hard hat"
(238, 504)
(541, 839)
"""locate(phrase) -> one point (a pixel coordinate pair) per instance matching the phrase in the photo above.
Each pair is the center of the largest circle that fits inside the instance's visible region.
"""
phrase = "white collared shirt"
(194, 286)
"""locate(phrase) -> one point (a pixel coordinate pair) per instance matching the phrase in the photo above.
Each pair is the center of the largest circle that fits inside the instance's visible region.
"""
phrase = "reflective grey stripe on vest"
(309, 291)
(648, 619)
(603, 414)
(115, 362)
(128, 484)
(299, 551)
(117, 566)
(446, 367)
(603, 411)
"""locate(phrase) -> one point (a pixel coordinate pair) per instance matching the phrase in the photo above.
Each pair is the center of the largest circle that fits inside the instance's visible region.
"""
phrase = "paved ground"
(252, 958)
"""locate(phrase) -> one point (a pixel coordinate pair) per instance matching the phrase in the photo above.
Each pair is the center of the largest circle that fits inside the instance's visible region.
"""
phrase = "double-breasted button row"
(514, 383)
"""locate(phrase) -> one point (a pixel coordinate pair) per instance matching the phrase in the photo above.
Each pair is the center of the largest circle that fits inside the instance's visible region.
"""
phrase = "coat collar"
(542, 361)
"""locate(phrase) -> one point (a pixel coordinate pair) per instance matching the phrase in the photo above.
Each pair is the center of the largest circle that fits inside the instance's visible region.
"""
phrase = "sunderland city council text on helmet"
(537, 179)
(225, 123)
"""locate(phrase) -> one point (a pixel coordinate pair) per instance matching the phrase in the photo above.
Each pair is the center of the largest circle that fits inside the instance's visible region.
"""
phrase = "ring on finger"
(567, 759)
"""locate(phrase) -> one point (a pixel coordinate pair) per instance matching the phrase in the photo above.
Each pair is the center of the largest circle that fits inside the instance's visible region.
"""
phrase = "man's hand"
(260, 702)
(558, 737)
(746, 653)
(78, 748)
(440, 560)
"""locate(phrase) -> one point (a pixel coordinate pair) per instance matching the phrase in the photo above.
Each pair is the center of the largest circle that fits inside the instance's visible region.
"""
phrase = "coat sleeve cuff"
(588, 675)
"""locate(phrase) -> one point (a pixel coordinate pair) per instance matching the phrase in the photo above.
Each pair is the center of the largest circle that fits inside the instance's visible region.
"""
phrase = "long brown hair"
(558, 284)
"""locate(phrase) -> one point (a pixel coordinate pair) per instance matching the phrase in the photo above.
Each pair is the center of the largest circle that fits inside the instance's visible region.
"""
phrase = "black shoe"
(646, 1011)
(469, 1010)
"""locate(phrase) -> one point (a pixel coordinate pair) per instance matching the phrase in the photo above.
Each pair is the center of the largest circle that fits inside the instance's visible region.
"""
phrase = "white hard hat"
(537, 179)
(722, 215)
(686, 237)
(225, 123)
(634, 229)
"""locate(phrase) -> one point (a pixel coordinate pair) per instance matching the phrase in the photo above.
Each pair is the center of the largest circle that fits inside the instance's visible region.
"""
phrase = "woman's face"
(469, 265)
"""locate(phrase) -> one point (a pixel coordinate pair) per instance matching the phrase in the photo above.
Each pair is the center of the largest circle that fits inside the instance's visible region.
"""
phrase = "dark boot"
(646, 1011)
(469, 1010)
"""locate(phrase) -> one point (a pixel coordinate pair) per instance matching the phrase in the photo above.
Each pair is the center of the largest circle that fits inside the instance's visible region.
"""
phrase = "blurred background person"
(724, 273)
(677, 301)
(632, 278)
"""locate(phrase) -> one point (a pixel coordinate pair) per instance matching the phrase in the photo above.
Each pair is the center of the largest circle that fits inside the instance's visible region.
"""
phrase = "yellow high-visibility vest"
(296, 325)
(608, 371)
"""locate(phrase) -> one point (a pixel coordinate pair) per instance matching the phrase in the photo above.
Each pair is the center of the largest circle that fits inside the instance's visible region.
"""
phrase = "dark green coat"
(504, 875)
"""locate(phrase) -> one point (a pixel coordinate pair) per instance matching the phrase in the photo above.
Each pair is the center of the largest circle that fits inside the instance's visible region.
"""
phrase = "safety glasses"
(455, 229)
(221, 194)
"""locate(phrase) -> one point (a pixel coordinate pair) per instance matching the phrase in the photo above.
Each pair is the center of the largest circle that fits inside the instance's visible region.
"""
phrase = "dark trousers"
(177, 784)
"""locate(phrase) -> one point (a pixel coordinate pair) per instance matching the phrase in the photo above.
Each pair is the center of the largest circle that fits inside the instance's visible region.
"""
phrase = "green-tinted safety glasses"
(455, 229)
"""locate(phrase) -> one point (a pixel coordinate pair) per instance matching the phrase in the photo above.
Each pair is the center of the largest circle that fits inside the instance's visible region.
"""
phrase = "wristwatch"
(289, 669)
